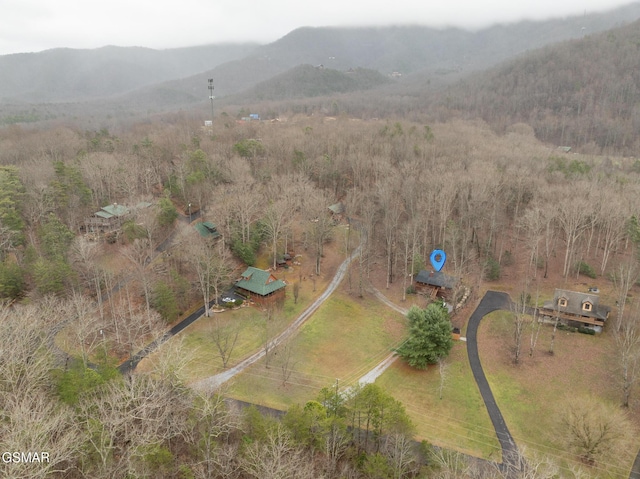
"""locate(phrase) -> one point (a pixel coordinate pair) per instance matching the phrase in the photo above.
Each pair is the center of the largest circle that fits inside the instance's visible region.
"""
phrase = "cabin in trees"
(576, 309)
(207, 230)
(436, 284)
(110, 218)
(260, 286)
(337, 211)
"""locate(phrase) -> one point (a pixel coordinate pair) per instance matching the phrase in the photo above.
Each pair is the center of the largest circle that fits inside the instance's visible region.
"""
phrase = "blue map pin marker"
(438, 257)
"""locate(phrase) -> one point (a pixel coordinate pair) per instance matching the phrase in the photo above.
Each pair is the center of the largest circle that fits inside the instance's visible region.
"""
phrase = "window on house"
(562, 302)
(587, 306)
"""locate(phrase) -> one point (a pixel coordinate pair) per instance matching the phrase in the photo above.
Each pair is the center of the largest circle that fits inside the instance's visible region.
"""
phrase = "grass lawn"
(198, 337)
(343, 340)
(533, 394)
(459, 420)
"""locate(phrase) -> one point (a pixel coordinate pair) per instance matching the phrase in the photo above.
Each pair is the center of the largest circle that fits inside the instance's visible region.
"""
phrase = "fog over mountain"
(50, 84)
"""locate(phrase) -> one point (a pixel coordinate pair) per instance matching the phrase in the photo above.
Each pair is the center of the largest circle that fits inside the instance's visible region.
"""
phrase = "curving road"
(491, 301)
(213, 382)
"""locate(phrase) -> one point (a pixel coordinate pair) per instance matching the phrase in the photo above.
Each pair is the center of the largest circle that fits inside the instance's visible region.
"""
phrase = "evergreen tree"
(429, 336)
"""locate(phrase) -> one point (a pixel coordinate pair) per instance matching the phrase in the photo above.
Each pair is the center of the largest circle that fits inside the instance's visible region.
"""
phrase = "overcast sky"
(35, 25)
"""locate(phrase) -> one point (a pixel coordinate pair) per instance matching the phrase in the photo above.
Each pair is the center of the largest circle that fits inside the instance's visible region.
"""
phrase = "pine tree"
(429, 336)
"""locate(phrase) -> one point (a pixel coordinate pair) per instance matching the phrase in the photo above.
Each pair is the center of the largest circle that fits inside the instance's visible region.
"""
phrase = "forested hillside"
(307, 81)
(583, 92)
(65, 74)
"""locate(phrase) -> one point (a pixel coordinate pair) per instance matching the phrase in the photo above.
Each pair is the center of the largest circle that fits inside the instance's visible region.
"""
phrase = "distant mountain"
(307, 81)
(582, 92)
(65, 74)
(132, 79)
(445, 53)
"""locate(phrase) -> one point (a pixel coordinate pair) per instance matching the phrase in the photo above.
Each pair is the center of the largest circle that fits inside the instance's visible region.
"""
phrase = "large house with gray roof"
(577, 309)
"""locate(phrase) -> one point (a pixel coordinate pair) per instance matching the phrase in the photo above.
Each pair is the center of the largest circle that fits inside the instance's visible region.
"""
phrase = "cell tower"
(211, 97)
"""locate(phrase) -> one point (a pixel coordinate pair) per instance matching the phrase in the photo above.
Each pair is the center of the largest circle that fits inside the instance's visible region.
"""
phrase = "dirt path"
(213, 382)
(381, 367)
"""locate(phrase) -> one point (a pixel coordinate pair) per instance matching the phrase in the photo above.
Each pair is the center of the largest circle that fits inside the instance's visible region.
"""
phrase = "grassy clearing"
(343, 340)
(252, 327)
(459, 420)
(533, 394)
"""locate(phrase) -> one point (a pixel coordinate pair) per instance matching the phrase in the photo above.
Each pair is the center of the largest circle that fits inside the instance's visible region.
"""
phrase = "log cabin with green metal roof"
(260, 286)
(207, 229)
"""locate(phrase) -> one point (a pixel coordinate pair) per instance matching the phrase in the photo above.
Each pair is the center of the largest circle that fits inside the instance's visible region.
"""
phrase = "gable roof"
(337, 209)
(575, 302)
(436, 278)
(207, 229)
(115, 209)
(259, 281)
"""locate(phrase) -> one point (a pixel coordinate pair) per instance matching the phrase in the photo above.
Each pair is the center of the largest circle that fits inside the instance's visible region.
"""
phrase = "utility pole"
(211, 97)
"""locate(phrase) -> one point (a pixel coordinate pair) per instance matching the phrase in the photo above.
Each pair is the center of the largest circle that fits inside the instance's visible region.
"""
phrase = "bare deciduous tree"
(276, 219)
(277, 458)
(225, 338)
(575, 215)
(138, 254)
(520, 322)
(210, 262)
(627, 350)
(286, 362)
(214, 423)
(126, 419)
(399, 450)
(592, 430)
(624, 278)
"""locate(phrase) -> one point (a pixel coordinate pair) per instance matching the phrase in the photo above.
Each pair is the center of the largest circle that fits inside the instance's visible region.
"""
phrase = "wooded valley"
(525, 175)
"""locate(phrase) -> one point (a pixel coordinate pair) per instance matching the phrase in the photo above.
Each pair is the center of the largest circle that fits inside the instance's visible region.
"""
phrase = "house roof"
(436, 278)
(104, 214)
(115, 209)
(207, 229)
(337, 209)
(575, 301)
(259, 281)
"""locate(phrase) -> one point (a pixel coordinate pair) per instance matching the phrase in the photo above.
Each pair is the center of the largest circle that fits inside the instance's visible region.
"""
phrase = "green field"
(343, 340)
(533, 395)
(459, 420)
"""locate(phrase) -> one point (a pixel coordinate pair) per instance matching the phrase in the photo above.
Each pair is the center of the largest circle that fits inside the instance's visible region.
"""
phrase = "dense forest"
(583, 92)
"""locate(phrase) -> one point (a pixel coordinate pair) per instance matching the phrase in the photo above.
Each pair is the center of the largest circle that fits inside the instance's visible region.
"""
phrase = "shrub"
(525, 298)
(249, 148)
(244, 252)
(588, 331)
(163, 299)
(492, 269)
(586, 269)
(507, 258)
(564, 327)
(411, 289)
(168, 212)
